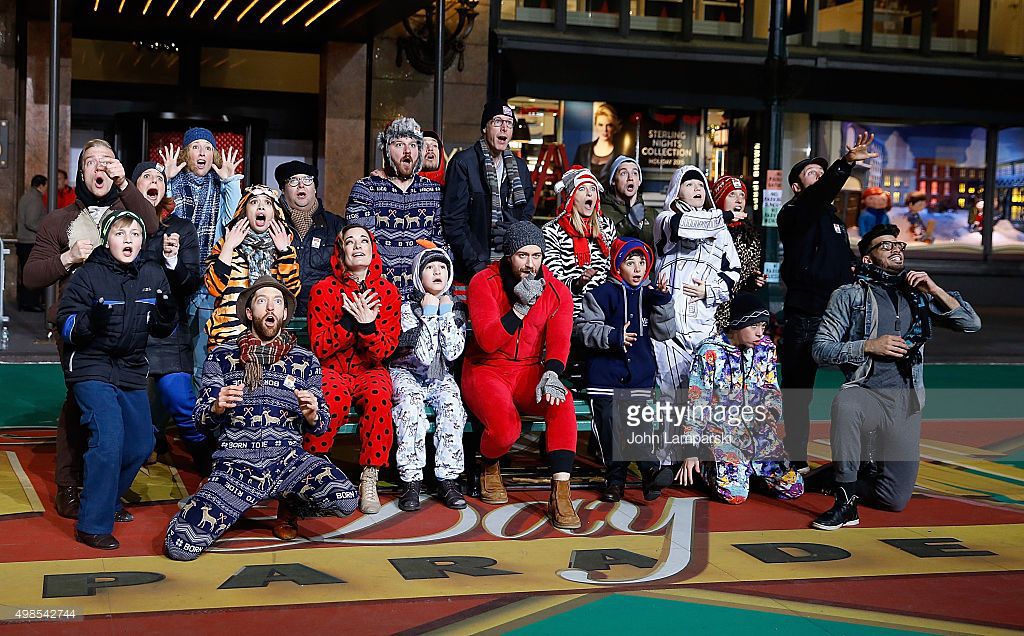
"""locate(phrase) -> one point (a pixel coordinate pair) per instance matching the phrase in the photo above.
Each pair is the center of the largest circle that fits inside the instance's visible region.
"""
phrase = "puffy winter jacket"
(173, 354)
(500, 337)
(342, 344)
(601, 326)
(117, 353)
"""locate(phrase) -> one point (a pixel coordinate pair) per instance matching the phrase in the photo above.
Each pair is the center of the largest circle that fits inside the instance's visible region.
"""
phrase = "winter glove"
(99, 317)
(551, 386)
(636, 215)
(527, 290)
(166, 308)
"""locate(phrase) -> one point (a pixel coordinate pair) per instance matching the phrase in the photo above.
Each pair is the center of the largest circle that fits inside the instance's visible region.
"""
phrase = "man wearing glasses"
(314, 227)
(817, 260)
(874, 330)
(487, 188)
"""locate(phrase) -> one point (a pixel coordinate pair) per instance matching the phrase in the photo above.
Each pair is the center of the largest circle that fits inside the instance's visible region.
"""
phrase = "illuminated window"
(962, 188)
(887, 181)
(895, 197)
(961, 202)
(935, 187)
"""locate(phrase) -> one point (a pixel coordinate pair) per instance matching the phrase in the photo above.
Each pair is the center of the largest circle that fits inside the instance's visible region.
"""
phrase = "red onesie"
(352, 356)
(506, 358)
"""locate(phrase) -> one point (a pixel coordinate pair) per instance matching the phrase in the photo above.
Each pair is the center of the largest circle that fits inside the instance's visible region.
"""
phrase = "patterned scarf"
(581, 240)
(259, 253)
(300, 220)
(514, 180)
(255, 354)
(920, 330)
(198, 200)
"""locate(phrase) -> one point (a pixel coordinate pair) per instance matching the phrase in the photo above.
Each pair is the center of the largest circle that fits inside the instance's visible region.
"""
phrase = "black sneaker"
(449, 493)
(410, 499)
(653, 481)
(842, 513)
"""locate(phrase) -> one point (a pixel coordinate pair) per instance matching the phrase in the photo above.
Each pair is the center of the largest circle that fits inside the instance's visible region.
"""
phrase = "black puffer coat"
(115, 354)
(173, 354)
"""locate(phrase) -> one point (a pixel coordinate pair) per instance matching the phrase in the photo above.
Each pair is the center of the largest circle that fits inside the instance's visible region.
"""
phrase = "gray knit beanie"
(520, 234)
(401, 127)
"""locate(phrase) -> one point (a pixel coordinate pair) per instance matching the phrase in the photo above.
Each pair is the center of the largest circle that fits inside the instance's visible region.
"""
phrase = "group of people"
(435, 288)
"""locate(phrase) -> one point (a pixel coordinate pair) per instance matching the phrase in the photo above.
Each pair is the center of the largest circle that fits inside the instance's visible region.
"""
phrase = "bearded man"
(400, 208)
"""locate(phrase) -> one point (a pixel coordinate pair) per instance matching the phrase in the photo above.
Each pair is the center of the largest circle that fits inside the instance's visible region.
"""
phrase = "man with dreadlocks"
(259, 394)
(875, 329)
(400, 208)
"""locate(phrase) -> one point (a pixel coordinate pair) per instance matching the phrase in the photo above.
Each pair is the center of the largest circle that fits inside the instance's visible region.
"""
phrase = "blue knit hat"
(193, 134)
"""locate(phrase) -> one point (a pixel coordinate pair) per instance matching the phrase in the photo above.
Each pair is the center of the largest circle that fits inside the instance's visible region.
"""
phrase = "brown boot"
(286, 527)
(492, 491)
(560, 506)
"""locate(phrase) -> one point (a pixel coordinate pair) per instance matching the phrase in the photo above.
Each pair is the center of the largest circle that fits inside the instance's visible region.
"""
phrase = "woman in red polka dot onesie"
(354, 324)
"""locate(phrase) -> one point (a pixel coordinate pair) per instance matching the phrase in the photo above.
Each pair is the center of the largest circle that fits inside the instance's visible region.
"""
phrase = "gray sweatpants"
(896, 421)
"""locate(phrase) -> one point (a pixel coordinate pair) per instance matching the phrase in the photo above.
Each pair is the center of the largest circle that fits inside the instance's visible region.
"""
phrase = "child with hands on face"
(433, 337)
(256, 243)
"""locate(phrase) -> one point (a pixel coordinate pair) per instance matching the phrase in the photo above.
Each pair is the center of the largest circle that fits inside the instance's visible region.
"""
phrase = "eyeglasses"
(304, 180)
(502, 122)
(890, 246)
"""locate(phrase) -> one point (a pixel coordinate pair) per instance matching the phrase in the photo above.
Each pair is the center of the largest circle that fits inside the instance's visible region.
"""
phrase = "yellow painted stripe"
(17, 495)
(498, 621)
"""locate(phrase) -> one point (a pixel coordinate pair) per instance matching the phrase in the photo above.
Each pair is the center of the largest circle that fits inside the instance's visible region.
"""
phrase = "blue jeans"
(199, 312)
(178, 399)
(120, 440)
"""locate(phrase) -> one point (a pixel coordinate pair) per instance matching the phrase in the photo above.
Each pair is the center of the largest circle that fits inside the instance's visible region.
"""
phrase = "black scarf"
(88, 199)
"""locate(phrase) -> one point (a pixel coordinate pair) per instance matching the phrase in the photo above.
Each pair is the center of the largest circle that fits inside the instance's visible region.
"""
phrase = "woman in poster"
(597, 155)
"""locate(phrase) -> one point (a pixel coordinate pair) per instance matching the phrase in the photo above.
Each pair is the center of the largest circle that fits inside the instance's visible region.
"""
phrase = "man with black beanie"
(874, 330)
(522, 320)
(817, 259)
(487, 188)
(314, 227)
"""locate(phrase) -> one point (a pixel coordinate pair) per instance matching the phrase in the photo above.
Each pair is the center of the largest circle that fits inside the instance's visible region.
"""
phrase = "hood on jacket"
(621, 249)
(677, 181)
(257, 190)
(425, 257)
(437, 176)
(373, 273)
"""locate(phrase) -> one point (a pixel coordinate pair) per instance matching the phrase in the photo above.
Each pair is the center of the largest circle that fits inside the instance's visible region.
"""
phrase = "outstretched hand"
(859, 151)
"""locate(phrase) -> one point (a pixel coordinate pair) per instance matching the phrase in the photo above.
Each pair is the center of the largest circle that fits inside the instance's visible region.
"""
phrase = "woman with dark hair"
(597, 155)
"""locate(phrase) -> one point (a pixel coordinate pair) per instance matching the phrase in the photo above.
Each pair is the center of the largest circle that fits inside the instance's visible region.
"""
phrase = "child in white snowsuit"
(693, 245)
(433, 336)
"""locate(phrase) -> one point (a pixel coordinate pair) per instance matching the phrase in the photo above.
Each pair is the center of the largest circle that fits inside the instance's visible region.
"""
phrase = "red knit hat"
(723, 187)
(875, 191)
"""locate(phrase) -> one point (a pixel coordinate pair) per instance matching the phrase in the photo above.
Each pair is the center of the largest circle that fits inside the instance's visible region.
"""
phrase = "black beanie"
(520, 234)
(495, 108)
(747, 309)
(692, 174)
(882, 229)
(289, 169)
(144, 166)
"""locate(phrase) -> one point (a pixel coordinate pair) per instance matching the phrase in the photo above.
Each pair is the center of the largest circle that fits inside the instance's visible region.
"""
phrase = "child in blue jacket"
(618, 322)
(109, 308)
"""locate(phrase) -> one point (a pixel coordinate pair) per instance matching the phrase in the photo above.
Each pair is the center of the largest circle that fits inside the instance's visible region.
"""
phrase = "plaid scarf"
(514, 180)
(197, 200)
(255, 354)
(259, 253)
(581, 240)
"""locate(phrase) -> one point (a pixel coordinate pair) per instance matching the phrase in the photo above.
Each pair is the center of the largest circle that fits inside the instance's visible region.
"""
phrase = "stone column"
(37, 101)
(343, 121)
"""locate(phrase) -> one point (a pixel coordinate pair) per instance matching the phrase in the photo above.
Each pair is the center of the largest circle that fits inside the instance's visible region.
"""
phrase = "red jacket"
(500, 338)
(341, 343)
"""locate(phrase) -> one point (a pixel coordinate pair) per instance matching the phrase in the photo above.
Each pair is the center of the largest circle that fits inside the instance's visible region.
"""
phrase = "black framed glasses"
(304, 180)
(890, 246)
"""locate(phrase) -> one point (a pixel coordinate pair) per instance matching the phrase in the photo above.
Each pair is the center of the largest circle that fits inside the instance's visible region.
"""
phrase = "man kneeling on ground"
(259, 394)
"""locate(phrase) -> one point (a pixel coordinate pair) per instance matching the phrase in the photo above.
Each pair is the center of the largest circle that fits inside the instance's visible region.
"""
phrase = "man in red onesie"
(522, 319)
(354, 324)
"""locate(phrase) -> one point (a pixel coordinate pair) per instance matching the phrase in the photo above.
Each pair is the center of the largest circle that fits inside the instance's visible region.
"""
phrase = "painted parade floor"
(953, 561)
